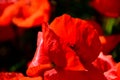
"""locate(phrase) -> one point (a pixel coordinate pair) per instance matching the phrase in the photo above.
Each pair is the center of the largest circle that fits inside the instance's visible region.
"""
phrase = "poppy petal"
(40, 60)
(73, 61)
(109, 42)
(104, 62)
(52, 46)
(61, 54)
(88, 44)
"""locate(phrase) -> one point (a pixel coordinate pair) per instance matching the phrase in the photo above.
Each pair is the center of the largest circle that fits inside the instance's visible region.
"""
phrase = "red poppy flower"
(34, 14)
(108, 8)
(79, 34)
(71, 45)
(109, 42)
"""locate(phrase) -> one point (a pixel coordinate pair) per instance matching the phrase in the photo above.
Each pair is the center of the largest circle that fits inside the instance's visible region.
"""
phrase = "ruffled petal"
(59, 52)
(40, 61)
(79, 34)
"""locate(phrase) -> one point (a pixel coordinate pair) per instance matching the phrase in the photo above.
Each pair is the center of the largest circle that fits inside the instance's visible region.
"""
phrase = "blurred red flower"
(26, 14)
(3, 6)
(8, 10)
(16, 76)
(108, 8)
(34, 14)
(10, 75)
